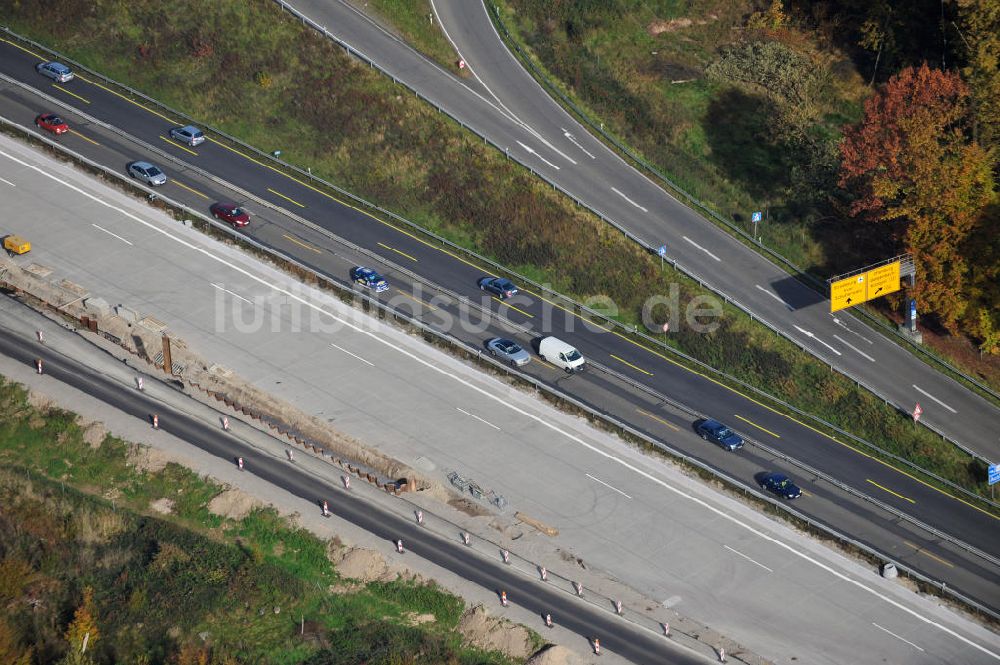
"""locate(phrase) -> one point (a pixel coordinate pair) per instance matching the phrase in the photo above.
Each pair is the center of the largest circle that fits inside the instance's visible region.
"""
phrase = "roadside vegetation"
(357, 129)
(83, 556)
(745, 105)
(412, 19)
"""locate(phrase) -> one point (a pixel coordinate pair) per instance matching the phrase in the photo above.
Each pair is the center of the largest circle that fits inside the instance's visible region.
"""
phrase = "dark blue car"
(713, 430)
(780, 484)
(500, 287)
(369, 278)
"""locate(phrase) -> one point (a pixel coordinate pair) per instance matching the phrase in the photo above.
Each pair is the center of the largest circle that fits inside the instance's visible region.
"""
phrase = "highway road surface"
(506, 105)
(638, 519)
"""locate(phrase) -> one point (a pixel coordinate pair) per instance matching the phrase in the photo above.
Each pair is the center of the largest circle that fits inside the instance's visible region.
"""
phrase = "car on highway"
(230, 212)
(188, 134)
(500, 287)
(778, 483)
(508, 351)
(50, 122)
(56, 71)
(148, 173)
(716, 432)
(369, 278)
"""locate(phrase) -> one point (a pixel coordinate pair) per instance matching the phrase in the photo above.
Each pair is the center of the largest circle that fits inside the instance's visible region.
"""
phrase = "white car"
(56, 71)
(148, 173)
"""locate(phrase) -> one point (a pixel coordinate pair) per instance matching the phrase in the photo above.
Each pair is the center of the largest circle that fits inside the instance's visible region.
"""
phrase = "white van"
(561, 354)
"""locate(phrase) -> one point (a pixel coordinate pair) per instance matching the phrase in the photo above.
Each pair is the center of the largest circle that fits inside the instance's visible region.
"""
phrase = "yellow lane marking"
(516, 309)
(886, 489)
(85, 138)
(285, 197)
(546, 363)
(177, 145)
(427, 305)
(71, 94)
(636, 368)
(659, 420)
(190, 189)
(805, 493)
(16, 45)
(393, 249)
(921, 550)
(763, 429)
(303, 244)
(127, 99)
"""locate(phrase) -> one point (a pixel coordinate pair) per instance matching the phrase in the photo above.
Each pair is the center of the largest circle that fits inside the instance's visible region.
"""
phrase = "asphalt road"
(616, 635)
(898, 541)
(632, 518)
(505, 104)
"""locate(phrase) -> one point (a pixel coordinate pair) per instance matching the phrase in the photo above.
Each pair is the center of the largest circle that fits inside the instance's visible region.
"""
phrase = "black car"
(780, 484)
(500, 287)
(713, 430)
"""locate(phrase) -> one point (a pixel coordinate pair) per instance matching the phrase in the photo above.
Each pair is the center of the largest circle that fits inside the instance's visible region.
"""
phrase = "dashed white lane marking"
(897, 636)
(532, 151)
(541, 421)
(472, 415)
(608, 486)
(776, 297)
(573, 140)
(701, 248)
(851, 346)
(810, 335)
(101, 228)
(844, 326)
(927, 394)
(8, 182)
(616, 191)
(756, 563)
(235, 295)
(340, 348)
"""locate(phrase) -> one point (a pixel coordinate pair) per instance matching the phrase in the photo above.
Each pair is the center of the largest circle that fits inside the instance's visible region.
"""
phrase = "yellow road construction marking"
(285, 197)
(659, 420)
(516, 309)
(921, 550)
(85, 138)
(393, 249)
(190, 189)
(886, 489)
(28, 51)
(178, 145)
(303, 244)
(636, 368)
(763, 429)
(71, 94)
(425, 304)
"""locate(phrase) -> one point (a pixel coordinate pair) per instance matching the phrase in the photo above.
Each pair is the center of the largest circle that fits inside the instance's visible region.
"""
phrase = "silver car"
(188, 134)
(148, 173)
(56, 71)
(508, 351)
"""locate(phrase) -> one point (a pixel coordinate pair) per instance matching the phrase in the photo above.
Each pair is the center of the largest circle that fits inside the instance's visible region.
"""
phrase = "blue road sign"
(994, 474)
(661, 250)
(756, 217)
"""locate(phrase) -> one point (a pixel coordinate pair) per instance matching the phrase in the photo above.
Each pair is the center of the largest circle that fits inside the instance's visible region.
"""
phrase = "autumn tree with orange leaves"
(911, 165)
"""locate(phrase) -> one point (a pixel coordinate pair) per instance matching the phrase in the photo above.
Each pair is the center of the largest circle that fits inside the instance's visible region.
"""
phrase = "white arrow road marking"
(927, 394)
(574, 142)
(812, 336)
(702, 248)
(340, 348)
(896, 636)
(472, 415)
(608, 486)
(235, 295)
(768, 292)
(101, 228)
(844, 326)
(748, 558)
(851, 346)
(533, 152)
(615, 190)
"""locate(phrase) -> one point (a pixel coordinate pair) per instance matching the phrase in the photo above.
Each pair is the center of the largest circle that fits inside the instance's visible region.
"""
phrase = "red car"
(51, 122)
(230, 212)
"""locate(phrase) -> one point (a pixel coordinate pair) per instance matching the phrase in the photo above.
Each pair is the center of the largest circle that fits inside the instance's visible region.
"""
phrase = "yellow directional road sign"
(864, 286)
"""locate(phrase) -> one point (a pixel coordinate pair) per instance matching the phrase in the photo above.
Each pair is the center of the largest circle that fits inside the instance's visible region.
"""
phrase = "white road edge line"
(472, 415)
(235, 295)
(810, 335)
(616, 191)
(927, 394)
(897, 636)
(851, 346)
(608, 486)
(101, 228)
(8, 182)
(572, 139)
(703, 503)
(756, 563)
(534, 153)
(340, 348)
(702, 248)
(776, 297)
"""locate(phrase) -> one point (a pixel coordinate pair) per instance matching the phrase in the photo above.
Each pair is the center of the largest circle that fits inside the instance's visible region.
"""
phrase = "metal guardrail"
(463, 347)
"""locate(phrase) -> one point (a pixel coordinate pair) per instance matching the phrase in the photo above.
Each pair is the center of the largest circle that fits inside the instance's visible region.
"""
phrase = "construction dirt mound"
(494, 634)
(358, 563)
(233, 503)
(555, 655)
(146, 459)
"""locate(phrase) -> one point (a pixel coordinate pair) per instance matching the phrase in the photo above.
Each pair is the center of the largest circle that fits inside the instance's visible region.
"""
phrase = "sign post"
(756, 217)
(661, 251)
(994, 477)
(913, 316)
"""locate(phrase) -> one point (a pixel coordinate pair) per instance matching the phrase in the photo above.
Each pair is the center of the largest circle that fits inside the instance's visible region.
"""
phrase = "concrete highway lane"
(962, 520)
(505, 104)
(617, 636)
